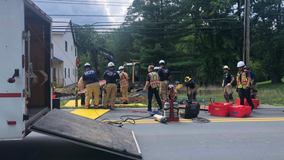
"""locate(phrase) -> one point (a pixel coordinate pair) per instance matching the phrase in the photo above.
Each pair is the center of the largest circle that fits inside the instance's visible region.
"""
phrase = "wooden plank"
(80, 129)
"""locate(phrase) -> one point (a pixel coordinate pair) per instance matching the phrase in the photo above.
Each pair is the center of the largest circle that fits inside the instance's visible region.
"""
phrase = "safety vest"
(80, 84)
(123, 79)
(154, 80)
(242, 80)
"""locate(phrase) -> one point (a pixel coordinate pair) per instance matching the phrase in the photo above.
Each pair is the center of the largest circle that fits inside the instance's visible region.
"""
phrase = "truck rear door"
(89, 133)
(12, 101)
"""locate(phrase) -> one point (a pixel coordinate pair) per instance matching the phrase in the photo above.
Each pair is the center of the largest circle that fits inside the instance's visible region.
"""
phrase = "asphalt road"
(245, 139)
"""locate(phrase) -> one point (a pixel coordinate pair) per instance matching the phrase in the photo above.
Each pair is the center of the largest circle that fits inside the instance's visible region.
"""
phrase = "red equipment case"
(239, 111)
(219, 109)
(254, 101)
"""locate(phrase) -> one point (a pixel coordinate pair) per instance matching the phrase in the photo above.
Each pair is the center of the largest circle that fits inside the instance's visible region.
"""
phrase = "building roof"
(63, 25)
(57, 59)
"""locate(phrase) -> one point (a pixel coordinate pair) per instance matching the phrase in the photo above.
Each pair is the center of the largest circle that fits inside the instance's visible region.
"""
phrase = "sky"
(89, 9)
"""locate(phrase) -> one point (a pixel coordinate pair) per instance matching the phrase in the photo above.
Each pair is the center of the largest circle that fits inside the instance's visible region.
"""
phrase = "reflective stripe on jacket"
(243, 81)
(123, 79)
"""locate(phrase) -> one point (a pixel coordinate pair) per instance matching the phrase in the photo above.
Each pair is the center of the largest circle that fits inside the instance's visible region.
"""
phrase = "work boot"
(96, 107)
(112, 107)
(125, 102)
(87, 106)
(159, 112)
(151, 113)
(105, 107)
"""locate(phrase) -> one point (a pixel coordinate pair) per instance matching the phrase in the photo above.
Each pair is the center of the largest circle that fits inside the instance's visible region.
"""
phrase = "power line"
(76, 15)
(83, 1)
(72, 3)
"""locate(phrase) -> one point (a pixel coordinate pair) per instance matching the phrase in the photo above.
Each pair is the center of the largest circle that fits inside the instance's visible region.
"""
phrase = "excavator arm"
(95, 51)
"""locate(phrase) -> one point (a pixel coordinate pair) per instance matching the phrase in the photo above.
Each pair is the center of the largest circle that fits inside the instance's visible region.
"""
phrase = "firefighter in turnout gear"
(124, 84)
(91, 82)
(228, 79)
(164, 75)
(253, 87)
(192, 91)
(243, 84)
(111, 76)
(153, 83)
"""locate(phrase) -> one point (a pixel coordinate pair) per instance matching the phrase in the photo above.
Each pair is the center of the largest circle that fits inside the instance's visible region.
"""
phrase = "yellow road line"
(272, 119)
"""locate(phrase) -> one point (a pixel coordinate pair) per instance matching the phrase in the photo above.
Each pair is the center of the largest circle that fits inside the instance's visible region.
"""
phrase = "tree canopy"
(196, 37)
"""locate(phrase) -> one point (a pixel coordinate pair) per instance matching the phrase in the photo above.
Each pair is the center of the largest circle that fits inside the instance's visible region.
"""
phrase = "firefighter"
(124, 84)
(111, 76)
(192, 91)
(253, 87)
(243, 84)
(91, 83)
(164, 75)
(228, 79)
(152, 82)
(156, 69)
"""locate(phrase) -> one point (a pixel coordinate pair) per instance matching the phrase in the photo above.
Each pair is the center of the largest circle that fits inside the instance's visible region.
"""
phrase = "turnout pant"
(253, 91)
(245, 93)
(164, 92)
(124, 92)
(154, 91)
(191, 94)
(92, 88)
(228, 93)
(110, 95)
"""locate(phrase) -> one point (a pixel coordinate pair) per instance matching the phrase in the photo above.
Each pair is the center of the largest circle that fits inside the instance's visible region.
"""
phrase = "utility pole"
(247, 32)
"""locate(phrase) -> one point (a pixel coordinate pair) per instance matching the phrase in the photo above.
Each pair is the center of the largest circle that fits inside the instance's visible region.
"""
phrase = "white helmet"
(87, 64)
(120, 68)
(156, 68)
(162, 62)
(110, 64)
(240, 64)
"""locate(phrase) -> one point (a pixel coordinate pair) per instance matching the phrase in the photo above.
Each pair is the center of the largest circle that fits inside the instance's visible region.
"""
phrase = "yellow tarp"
(90, 113)
(71, 103)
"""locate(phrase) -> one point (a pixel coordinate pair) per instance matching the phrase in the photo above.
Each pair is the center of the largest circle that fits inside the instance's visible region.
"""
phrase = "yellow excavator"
(134, 73)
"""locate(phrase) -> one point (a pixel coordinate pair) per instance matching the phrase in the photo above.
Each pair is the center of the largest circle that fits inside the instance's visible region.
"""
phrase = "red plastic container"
(239, 111)
(53, 96)
(254, 101)
(219, 109)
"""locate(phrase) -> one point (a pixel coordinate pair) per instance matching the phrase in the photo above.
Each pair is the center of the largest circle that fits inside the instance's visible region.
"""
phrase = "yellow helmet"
(226, 67)
(187, 79)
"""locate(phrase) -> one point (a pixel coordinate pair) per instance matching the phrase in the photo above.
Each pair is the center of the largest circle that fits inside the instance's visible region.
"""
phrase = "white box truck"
(26, 85)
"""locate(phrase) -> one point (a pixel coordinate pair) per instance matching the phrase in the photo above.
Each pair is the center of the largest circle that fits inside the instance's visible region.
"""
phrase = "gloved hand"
(247, 88)
(228, 84)
(236, 89)
(222, 84)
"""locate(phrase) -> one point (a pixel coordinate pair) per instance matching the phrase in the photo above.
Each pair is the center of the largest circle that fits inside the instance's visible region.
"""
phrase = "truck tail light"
(11, 122)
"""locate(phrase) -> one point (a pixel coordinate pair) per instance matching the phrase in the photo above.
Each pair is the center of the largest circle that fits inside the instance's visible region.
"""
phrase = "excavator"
(132, 69)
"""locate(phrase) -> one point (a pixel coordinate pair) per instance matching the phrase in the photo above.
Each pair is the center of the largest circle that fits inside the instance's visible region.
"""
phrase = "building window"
(75, 52)
(68, 72)
(66, 46)
(71, 48)
(73, 72)
(65, 72)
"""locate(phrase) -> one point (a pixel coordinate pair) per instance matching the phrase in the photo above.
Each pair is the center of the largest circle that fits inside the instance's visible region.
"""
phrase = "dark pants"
(245, 93)
(154, 91)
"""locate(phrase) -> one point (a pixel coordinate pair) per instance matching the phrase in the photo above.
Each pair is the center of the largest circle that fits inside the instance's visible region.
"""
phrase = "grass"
(272, 94)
